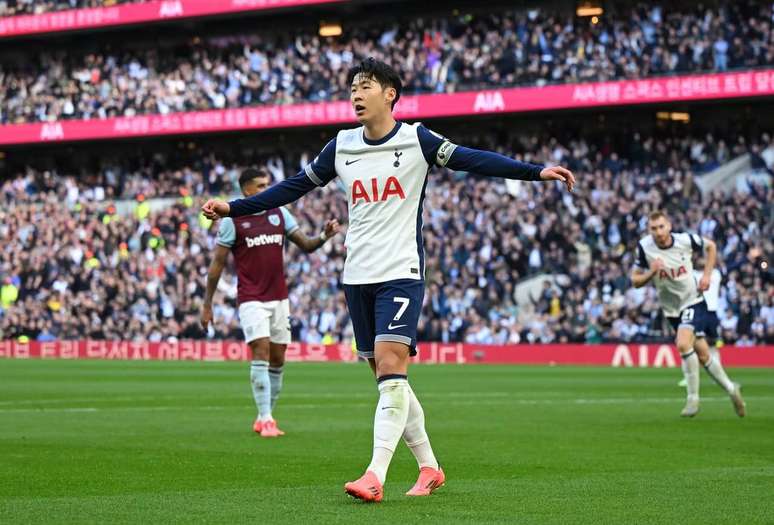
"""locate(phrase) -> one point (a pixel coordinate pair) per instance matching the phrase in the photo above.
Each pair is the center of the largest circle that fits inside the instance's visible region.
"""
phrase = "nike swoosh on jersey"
(348, 162)
(390, 327)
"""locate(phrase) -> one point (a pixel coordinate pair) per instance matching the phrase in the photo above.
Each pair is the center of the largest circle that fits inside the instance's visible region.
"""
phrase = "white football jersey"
(385, 186)
(712, 294)
(675, 283)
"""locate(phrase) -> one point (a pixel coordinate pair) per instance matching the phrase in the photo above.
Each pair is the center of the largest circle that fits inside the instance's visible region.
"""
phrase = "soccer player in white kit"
(666, 258)
(384, 166)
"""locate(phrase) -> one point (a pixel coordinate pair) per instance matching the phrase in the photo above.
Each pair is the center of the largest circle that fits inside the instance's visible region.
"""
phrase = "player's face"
(369, 99)
(660, 229)
(257, 185)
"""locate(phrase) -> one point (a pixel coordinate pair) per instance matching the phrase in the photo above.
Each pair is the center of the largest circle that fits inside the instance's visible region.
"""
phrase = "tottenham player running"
(384, 166)
(666, 258)
(257, 244)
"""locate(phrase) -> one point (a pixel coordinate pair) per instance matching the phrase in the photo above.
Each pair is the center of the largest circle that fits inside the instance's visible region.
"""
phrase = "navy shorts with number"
(697, 318)
(386, 311)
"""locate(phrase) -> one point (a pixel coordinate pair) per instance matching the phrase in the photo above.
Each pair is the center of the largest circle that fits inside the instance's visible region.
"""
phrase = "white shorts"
(270, 319)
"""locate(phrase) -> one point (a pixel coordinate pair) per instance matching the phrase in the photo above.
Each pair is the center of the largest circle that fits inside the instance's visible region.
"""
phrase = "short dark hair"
(378, 71)
(252, 173)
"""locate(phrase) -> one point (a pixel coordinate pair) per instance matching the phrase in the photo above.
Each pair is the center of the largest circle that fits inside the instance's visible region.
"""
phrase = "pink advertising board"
(615, 355)
(124, 14)
(758, 83)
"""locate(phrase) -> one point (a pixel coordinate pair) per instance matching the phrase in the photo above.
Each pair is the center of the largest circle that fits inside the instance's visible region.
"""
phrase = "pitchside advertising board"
(615, 355)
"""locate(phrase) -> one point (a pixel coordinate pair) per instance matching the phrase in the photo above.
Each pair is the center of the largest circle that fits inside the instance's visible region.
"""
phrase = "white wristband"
(323, 237)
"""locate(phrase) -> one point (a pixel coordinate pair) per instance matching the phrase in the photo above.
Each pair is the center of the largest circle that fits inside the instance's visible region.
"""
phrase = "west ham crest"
(274, 220)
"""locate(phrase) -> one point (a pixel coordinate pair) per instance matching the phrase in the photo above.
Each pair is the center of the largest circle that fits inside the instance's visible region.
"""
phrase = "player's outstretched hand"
(559, 173)
(206, 316)
(331, 228)
(214, 209)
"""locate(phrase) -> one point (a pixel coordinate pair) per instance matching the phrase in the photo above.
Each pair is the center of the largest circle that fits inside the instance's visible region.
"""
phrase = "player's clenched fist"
(215, 209)
(331, 228)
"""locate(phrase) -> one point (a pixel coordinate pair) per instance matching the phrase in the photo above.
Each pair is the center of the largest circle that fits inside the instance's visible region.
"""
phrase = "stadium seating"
(129, 248)
(432, 54)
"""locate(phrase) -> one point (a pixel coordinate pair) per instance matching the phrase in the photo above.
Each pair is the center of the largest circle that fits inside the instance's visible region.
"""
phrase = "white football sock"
(691, 373)
(259, 379)
(415, 435)
(389, 422)
(275, 376)
(716, 372)
(715, 354)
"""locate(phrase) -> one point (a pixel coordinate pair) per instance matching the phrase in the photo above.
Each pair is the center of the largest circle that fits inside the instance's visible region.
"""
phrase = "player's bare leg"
(391, 363)
(261, 385)
(718, 374)
(276, 364)
(684, 342)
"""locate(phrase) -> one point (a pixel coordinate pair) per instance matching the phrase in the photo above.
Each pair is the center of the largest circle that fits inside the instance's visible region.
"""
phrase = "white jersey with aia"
(676, 284)
(385, 184)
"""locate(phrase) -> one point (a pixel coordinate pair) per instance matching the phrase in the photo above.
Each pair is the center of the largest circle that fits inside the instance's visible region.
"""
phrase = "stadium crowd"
(432, 54)
(36, 7)
(92, 269)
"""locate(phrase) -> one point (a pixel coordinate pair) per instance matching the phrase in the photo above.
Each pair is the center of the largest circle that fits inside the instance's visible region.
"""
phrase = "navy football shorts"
(386, 311)
(698, 319)
(711, 330)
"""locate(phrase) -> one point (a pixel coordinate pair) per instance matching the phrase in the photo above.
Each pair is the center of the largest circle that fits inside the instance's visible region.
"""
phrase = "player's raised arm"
(442, 152)
(303, 241)
(318, 173)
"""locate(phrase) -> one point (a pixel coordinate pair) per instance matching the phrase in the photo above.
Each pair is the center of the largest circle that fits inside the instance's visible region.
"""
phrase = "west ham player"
(384, 166)
(257, 244)
(666, 258)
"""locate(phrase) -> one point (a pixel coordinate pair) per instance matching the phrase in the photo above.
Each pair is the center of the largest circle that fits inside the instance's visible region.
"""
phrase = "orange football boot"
(367, 488)
(429, 480)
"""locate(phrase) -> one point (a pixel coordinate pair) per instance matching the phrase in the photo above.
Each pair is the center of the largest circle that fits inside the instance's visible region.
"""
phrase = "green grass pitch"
(162, 442)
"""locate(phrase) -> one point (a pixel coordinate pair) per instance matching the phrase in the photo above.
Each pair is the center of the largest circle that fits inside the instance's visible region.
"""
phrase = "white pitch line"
(317, 406)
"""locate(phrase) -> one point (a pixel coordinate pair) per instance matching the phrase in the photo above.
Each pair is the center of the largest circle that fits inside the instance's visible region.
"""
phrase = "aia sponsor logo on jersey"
(392, 188)
(672, 273)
